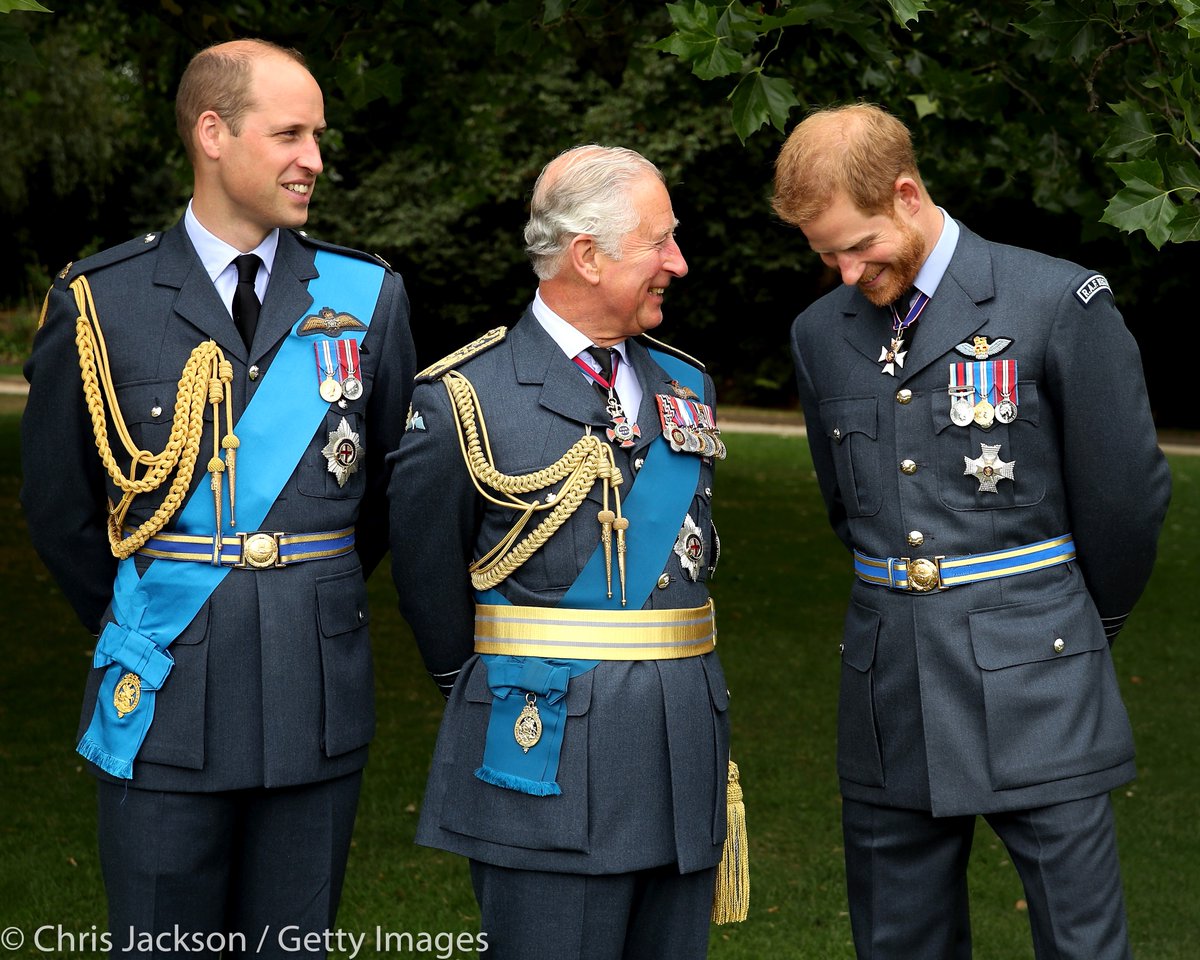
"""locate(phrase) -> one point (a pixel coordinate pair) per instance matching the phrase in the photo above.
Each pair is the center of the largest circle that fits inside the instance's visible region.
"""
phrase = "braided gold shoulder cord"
(588, 460)
(206, 376)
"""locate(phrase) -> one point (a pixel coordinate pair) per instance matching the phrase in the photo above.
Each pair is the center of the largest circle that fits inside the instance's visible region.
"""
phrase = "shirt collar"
(934, 267)
(216, 254)
(569, 338)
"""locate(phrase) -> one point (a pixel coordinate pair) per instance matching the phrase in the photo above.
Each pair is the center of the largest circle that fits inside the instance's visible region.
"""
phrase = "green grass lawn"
(781, 590)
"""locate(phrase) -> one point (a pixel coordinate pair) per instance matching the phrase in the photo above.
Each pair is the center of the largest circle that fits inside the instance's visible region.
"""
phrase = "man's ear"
(209, 131)
(582, 254)
(907, 193)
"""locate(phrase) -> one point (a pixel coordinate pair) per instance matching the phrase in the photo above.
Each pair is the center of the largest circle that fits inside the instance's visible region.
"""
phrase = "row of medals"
(964, 411)
(333, 389)
(702, 440)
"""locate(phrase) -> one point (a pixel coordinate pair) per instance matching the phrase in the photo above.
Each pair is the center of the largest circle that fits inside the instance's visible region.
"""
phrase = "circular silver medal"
(352, 388)
(1006, 411)
(331, 390)
(961, 412)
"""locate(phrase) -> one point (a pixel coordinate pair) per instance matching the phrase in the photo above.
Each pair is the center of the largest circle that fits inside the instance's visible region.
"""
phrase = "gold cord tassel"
(731, 894)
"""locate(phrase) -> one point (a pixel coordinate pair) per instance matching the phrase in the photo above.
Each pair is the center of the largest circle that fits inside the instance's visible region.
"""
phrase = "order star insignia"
(988, 468)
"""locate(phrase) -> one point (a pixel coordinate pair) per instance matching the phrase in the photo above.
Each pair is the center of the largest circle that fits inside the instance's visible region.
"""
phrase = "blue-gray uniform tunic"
(643, 763)
(964, 701)
(272, 683)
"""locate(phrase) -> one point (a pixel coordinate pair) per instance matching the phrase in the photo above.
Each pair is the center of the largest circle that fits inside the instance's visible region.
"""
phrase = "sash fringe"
(535, 788)
(94, 753)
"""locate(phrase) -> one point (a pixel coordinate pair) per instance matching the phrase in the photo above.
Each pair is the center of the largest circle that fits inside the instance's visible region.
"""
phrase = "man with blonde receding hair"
(981, 435)
(229, 709)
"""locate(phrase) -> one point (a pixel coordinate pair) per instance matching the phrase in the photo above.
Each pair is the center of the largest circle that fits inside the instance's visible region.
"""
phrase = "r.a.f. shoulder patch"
(462, 354)
(1092, 286)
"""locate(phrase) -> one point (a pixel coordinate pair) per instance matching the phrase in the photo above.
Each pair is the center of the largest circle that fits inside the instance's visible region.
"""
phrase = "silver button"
(664, 581)
(915, 538)
(156, 411)
(841, 648)
(904, 396)
(252, 373)
(837, 434)
(708, 492)
(637, 464)
(1060, 645)
(361, 616)
(908, 467)
(148, 238)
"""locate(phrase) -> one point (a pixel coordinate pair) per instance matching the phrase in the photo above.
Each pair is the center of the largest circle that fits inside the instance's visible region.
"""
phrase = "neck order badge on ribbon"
(530, 692)
(892, 355)
(150, 611)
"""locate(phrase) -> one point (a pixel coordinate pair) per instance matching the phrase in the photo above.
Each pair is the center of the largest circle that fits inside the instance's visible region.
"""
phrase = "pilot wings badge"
(329, 322)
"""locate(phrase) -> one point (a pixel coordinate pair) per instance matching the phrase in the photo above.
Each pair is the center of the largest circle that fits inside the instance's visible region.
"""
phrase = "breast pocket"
(148, 409)
(334, 465)
(852, 425)
(1018, 445)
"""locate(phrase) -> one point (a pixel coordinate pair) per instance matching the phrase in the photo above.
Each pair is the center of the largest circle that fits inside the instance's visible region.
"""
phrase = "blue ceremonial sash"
(659, 499)
(151, 611)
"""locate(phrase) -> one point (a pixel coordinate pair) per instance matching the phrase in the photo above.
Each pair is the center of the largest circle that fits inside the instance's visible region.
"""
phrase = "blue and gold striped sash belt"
(256, 549)
(926, 574)
(594, 634)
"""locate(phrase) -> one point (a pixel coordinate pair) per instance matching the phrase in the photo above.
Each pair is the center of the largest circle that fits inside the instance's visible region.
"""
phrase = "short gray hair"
(584, 190)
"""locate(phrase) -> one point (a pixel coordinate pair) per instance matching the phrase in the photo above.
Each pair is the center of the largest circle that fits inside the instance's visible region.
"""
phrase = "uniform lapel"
(654, 380)
(954, 313)
(539, 360)
(179, 266)
(287, 296)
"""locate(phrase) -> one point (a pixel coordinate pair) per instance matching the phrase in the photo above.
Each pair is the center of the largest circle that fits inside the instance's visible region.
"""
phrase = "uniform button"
(361, 616)
(904, 396)
(1060, 645)
(664, 581)
(708, 492)
(252, 373)
(637, 464)
(908, 466)
(156, 411)
(837, 434)
(916, 538)
(841, 648)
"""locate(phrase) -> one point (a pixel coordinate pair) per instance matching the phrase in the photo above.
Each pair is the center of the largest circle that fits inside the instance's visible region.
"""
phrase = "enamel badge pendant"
(893, 356)
(988, 468)
(127, 695)
(343, 452)
(689, 548)
(527, 731)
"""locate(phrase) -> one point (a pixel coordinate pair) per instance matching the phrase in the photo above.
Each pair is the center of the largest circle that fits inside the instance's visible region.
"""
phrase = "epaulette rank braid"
(462, 354)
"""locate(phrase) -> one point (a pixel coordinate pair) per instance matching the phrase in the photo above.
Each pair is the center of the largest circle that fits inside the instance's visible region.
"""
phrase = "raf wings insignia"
(328, 322)
(981, 349)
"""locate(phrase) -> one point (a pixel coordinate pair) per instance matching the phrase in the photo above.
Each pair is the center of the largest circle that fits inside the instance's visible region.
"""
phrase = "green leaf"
(1132, 133)
(1186, 225)
(14, 44)
(555, 9)
(926, 106)
(799, 14)
(757, 99)
(1189, 16)
(29, 6)
(1070, 25)
(696, 40)
(907, 10)
(1142, 206)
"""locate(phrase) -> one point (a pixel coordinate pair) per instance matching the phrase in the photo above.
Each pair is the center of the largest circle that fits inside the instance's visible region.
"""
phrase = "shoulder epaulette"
(674, 351)
(106, 258)
(462, 354)
(1092, 286)
(375, 258)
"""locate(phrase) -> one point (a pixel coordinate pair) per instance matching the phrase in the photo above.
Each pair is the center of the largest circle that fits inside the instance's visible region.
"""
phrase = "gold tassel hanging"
(731, 893)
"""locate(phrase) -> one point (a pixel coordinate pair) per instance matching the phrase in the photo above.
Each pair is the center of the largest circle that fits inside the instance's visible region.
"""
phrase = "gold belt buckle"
(924, 574)
(260, 551)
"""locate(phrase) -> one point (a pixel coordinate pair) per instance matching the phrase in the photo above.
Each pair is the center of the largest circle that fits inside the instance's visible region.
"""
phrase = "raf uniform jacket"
(965, 701)
(272, 682)
(643, 763)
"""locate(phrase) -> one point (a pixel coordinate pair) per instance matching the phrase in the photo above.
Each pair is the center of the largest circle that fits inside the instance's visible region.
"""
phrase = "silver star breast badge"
(988, 468)
(342, 452)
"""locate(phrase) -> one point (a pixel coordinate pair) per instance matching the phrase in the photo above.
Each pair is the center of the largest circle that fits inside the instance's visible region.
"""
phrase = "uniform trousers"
(644, 915)
(260, 867)
(906, 876)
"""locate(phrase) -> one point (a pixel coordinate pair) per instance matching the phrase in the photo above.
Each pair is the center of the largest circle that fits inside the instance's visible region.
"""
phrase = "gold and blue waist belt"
(556, 633)
(926, 574)
(255, 550)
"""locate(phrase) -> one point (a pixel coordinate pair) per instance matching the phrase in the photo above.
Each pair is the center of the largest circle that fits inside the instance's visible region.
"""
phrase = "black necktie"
(245, 300)
(603, 356)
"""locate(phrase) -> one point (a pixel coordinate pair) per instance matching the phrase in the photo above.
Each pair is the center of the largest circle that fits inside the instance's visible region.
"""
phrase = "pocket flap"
(843, 416)
(858, 641)
(342, 603)
(1019, 633)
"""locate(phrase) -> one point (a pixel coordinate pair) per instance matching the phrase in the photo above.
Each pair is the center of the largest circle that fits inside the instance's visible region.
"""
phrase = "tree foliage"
(441, 113)
(1011, 67)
